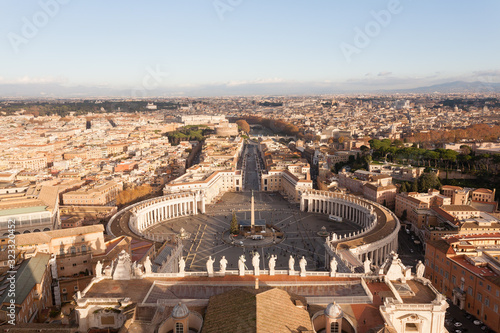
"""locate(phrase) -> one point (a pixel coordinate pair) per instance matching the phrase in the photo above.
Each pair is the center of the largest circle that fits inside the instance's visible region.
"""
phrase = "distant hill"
(455, 87)
(54, 90)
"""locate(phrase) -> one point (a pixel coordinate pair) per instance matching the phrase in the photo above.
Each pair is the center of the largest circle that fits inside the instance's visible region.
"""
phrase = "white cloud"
(33, 80)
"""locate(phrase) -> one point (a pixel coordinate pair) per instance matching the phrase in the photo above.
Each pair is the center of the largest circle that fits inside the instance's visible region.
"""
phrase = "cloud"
(257, 81)
(384, 73)
(33, 80)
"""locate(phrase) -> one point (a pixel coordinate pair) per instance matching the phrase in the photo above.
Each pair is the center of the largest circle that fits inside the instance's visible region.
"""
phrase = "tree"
(243, 125)
(414, 186)
(427, 181)
(234, 225)
(404, 188)
(404, 215)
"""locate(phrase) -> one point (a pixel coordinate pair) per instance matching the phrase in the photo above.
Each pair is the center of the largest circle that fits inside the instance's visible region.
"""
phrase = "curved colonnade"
(377, 238)
(150, 212)
(375, 241)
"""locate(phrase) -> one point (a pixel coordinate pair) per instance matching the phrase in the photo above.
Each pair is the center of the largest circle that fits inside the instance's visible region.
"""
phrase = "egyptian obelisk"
(252, 216)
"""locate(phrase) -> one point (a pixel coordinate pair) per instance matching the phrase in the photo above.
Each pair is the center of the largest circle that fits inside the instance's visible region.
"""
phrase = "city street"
(252, 164)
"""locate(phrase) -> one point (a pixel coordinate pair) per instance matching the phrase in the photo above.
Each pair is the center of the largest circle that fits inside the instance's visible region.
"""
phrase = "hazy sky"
(235, 42)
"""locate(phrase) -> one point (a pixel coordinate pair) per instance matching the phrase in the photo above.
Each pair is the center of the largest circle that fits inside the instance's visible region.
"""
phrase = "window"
(487, 301)
(469, 290)
(446, 275)
(488, 287)
(453, 279)
(480, 283)
(334, 328)
(495, 308)
(62, 268)
(75, 287)
(479, 297)
(179, 328)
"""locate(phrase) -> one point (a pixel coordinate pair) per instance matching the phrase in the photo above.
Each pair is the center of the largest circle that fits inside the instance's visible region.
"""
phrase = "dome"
(180, 311)
(333, 310)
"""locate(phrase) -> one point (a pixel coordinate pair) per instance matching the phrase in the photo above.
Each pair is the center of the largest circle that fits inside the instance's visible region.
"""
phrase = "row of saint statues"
(256, 265)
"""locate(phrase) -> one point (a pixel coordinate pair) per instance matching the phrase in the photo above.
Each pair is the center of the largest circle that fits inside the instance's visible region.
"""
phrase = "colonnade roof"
(385, 226)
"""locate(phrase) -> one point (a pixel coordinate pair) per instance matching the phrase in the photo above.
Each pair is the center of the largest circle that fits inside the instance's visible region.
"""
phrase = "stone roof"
(46, 236)
(250, 310)
(458, 208)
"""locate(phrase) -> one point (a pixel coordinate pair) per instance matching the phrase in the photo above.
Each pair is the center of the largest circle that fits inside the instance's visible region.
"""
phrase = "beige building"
(93, 195)
(73, 250)
(409, 202)
(33, 163)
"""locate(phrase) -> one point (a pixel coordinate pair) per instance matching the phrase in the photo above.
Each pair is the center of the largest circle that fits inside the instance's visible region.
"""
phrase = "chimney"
(257, 284)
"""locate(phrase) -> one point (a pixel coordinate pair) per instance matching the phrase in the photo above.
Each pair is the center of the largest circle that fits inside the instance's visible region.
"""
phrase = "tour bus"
(335, 218)
(257, 237)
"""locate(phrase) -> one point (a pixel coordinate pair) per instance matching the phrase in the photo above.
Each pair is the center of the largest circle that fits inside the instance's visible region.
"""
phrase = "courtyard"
(206, 234)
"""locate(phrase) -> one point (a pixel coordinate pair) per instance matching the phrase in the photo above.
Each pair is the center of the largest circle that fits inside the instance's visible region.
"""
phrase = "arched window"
(84, 248)
(179, 328)
(72, 250)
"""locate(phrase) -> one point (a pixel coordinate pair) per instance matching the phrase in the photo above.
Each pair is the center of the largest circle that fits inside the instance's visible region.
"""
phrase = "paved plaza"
(206, 232)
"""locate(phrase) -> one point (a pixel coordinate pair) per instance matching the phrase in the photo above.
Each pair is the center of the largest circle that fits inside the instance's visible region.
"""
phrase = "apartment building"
(375, 187)
(409, 202)
(32, 290)
(466, 268)
(284, 171)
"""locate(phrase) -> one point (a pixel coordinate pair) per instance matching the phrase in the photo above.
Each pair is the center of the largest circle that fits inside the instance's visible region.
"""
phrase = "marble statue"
(98, 269)
(272, 264)
(255, 263)
(138, 271)
(134, 267)
(291, 263)
(303, 264)
(123, 268)
(241, 265)
(108, 270)
(420, 269)
(182, 265)
(367, 265)
(210, 266)
(223, 265)
(333, 266)
(147, 265)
